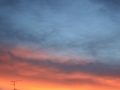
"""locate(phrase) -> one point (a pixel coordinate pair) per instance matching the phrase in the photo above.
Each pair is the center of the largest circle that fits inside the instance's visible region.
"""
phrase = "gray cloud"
(92, 68)
(16, 65)
(112, 4)
(69, 27)
(12, 3)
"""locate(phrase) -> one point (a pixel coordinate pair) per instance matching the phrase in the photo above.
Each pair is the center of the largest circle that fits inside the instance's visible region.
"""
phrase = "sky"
(60, 44)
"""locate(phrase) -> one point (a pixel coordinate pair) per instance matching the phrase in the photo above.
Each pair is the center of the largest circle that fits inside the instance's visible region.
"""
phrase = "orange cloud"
(39, 70)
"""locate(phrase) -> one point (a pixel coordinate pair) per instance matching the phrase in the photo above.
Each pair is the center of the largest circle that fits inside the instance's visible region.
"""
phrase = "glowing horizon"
(60, 44)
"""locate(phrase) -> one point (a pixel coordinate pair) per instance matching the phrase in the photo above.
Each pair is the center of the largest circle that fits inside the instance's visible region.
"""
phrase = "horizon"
(60, 44)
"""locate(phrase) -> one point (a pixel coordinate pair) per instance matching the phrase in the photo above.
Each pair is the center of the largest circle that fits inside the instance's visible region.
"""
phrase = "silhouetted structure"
(14, 82)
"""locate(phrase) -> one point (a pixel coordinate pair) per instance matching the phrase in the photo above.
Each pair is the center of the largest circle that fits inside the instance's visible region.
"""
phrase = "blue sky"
(87, 29)
(80, 27)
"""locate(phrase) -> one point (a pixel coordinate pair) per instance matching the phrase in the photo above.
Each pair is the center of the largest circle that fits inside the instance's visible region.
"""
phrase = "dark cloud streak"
(112, 4)
(68, 67)
(79, 27)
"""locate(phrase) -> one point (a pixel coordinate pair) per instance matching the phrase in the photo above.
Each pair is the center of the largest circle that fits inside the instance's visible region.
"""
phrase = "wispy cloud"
(61, 41)
(55, 71)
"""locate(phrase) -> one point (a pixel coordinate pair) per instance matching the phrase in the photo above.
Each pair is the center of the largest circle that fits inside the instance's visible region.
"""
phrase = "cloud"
(88, 31)
(12, 3)
(110, 3)
(54, 70)
(65, 41)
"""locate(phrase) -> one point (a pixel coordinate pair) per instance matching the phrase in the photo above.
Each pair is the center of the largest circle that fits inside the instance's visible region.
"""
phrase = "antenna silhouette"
(14, 83)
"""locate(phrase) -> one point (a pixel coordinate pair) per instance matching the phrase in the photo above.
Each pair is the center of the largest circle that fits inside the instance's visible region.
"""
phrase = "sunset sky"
(60, 44)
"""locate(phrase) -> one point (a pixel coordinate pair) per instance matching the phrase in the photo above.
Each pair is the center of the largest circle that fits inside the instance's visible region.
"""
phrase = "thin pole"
(14, 82)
